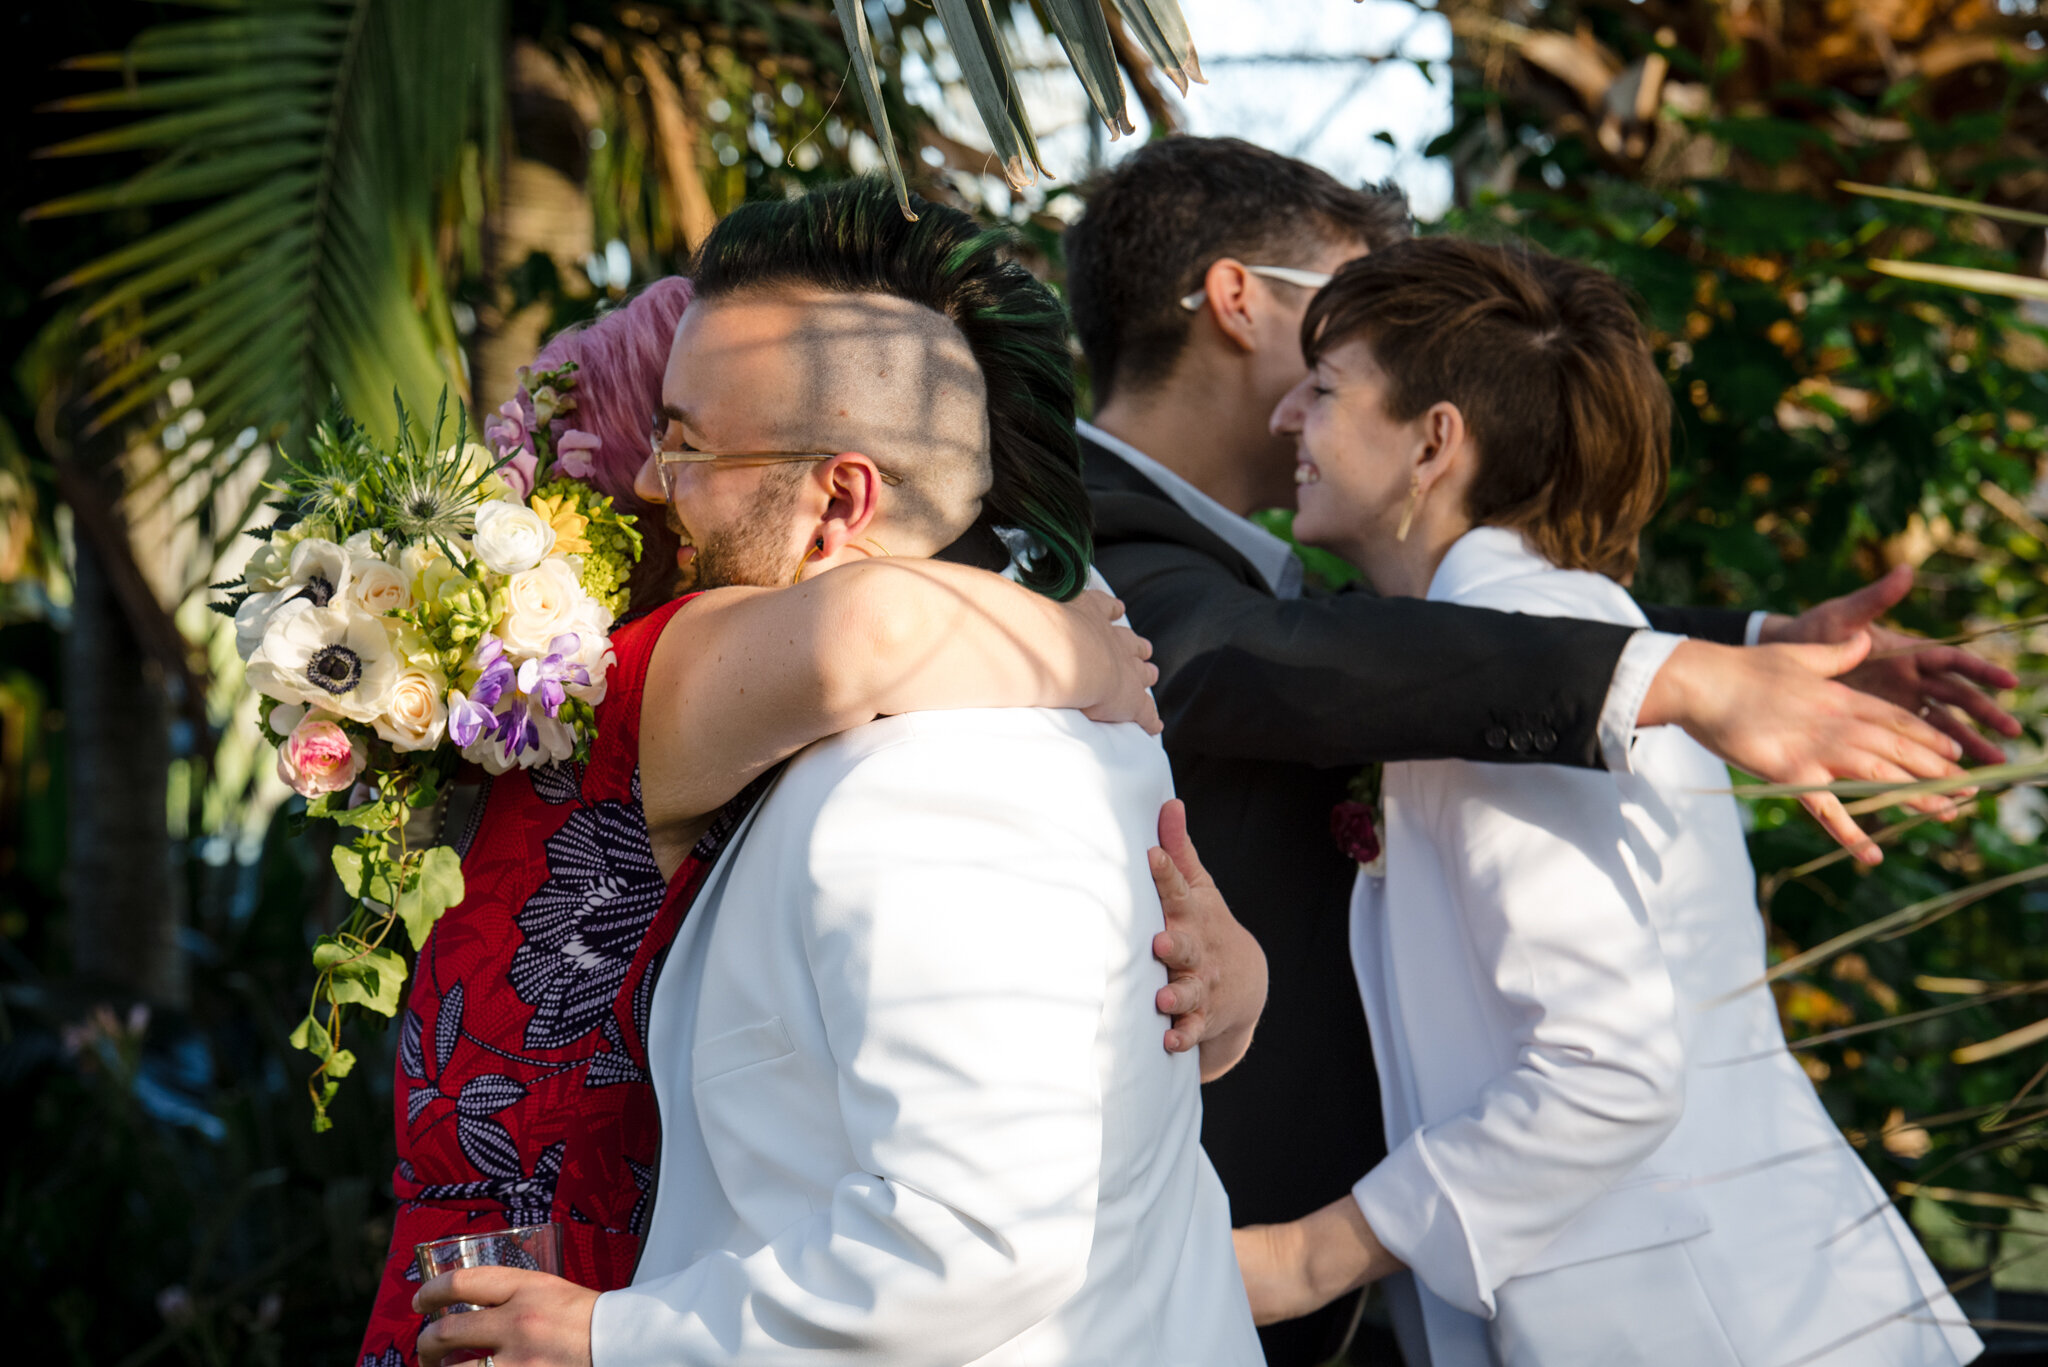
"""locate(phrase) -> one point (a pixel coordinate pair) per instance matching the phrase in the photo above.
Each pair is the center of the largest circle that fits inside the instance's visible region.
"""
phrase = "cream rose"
(319, 757)
(379, 589)
(416, 716)
(268, 568)
(540, 604)
(511, 537)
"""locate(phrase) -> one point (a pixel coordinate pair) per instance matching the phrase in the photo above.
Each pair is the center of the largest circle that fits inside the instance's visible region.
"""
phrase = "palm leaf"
(301, 153)
(1084, 34)
(1162, 31)
(1965, 278)
(1950, 202)
(971, 29)
(974, 31)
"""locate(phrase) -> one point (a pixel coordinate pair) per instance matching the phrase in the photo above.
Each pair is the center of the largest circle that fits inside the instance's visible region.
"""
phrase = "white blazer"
(1587, 1164)
(915, 1105)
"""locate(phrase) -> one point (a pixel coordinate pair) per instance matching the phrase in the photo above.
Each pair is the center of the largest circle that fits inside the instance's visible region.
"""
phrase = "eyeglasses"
(665, 458)
(1286, 275)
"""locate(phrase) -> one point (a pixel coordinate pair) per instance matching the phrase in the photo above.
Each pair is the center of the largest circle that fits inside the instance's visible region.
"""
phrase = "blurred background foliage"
(163, 1199)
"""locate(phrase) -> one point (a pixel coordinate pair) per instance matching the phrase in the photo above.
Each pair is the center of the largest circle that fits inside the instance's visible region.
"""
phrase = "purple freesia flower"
(515, 730)
(470, 715)
(494, 672)
(543, 679)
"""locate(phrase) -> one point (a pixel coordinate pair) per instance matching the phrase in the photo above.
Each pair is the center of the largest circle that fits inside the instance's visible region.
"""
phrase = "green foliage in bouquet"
(412, 608)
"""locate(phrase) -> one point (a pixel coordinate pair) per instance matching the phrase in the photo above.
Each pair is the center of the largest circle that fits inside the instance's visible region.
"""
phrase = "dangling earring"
(878, 546)
(817, 548)
(1408, 513)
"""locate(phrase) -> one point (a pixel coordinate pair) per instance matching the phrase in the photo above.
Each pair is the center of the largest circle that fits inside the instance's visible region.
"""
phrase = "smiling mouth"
(1305, 472)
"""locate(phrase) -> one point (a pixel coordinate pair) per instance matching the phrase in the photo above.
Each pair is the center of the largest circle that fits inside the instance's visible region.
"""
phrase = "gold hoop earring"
(1408, 513)
(817, 547)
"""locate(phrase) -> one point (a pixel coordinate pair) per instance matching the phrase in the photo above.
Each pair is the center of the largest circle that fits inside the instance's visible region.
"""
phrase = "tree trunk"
(125, 898)
(121, 877)
(542, 209)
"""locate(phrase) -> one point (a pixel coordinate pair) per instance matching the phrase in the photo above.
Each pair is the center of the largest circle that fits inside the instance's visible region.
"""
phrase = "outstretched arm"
(744, 677)
(1351, 679)
(1947, 685)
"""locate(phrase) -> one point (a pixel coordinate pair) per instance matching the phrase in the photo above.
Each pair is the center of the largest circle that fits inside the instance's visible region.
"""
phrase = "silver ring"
(1926, 708)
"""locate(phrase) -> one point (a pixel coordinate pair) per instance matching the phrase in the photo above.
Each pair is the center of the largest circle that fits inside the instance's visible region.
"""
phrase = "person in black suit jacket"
(1188, 275)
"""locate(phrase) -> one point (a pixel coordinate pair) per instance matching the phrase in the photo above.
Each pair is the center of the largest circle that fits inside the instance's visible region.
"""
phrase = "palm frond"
(1965, 278)
(1162, 31)
(1950, 202)
(860, 55)
(1084, 34)
(300, 153)
(974, 29)
(971, 29)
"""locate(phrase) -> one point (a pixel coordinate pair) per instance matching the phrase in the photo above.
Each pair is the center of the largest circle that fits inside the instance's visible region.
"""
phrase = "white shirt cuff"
(1641, 658)
(1754, 632)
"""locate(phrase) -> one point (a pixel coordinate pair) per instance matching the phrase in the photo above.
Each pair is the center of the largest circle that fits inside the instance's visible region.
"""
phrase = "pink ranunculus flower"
(572, 453)
(319, 757)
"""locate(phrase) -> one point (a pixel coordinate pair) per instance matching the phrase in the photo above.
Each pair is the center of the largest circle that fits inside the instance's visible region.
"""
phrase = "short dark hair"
(1155, 224)
(851, 238)
(1551, 368)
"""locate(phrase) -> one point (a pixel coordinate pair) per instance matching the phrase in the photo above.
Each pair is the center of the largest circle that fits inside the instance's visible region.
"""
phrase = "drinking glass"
(537, 1248)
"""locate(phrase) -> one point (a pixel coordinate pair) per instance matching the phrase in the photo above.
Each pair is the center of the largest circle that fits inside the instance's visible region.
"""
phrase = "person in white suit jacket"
(914, 1106)
(906, 1044)
(1600, 1150)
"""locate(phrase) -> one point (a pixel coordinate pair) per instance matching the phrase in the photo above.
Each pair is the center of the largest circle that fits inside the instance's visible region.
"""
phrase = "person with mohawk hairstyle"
(913, 1104)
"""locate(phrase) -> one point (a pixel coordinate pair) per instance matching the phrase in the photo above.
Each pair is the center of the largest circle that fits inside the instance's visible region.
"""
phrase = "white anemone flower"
(318, 571)
(337, 657)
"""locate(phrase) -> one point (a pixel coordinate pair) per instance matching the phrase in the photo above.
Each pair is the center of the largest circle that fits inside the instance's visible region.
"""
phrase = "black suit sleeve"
(1352, 678)
(1724, 626)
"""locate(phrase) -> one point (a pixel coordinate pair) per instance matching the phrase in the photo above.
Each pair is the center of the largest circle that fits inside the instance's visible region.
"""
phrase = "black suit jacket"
(1270, 706)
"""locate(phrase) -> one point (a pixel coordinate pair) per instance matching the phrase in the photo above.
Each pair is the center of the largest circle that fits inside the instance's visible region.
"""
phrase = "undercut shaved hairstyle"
(1157, 222)
(852, 239)
(1551, 368)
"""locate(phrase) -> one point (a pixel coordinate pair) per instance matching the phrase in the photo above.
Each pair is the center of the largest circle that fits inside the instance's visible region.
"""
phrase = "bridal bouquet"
(410, 608)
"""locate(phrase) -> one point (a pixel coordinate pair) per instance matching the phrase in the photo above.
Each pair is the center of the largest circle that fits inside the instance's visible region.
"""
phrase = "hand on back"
(1118, 661)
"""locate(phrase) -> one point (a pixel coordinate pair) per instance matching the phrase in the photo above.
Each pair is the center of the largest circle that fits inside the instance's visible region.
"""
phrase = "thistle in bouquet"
(412, 607)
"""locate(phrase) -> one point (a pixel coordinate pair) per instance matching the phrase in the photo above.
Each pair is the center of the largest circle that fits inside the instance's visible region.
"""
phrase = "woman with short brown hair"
(1600, 1150)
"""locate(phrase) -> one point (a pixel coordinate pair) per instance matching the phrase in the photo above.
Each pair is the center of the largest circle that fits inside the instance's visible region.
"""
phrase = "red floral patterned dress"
(522, 1087)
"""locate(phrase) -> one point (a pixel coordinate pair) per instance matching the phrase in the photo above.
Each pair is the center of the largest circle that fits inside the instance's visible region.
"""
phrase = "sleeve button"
(1496, 738)
(1519, 741)
(1545, 740)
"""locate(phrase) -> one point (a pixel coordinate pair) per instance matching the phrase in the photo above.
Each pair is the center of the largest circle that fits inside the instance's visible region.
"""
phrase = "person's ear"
(1441, 447)
(1227, 287)
(850, 487)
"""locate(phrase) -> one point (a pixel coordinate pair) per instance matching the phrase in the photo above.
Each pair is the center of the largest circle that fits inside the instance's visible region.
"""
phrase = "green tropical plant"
(302, 154)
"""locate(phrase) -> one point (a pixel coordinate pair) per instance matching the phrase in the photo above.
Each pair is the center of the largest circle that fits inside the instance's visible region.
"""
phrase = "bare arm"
(742, 678)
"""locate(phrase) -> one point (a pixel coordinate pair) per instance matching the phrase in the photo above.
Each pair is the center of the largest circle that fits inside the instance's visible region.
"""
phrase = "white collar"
(1482, 556)
(1273, 558)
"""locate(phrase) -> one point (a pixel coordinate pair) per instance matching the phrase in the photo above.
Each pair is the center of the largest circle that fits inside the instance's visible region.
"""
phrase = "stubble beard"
(751, 553)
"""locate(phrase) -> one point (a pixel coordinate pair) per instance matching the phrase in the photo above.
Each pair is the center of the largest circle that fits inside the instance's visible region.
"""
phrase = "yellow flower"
(558, 512)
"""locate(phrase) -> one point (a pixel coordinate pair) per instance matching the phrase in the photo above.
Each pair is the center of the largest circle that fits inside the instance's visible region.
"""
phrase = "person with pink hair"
(603, 440)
